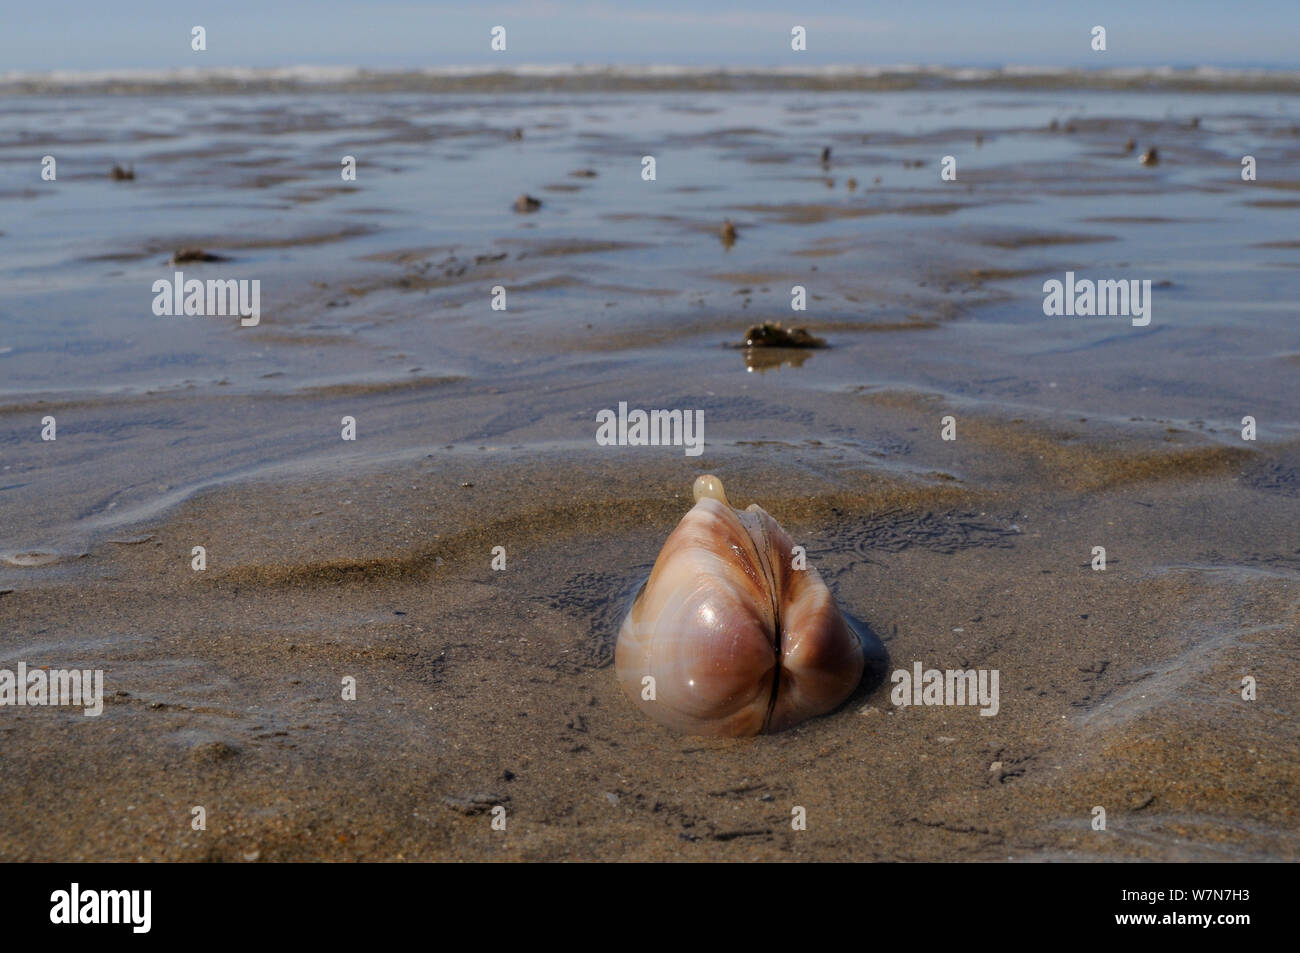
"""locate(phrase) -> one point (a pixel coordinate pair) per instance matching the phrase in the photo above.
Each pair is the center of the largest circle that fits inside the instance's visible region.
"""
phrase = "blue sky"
(114, 34)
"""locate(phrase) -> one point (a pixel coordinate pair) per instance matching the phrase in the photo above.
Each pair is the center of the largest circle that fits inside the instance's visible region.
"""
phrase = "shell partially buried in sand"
(727, 637)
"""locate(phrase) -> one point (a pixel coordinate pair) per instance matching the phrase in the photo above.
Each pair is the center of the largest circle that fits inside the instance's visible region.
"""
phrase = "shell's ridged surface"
(821, 656)
(705, 626)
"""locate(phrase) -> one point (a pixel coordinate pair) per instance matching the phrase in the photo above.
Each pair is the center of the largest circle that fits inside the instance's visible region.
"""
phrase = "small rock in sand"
(211, 752)
(471, 804)
(1150, 157)
(185, 256)
(526, 203)
(119, 174)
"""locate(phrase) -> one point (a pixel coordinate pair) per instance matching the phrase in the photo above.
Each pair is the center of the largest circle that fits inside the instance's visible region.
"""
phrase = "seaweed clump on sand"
(728, 233)
(772, 334)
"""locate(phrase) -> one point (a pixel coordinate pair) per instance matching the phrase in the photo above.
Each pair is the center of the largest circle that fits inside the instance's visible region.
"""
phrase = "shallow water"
(387, 280)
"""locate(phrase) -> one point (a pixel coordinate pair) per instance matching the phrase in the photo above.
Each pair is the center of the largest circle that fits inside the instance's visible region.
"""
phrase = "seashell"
(737, 641)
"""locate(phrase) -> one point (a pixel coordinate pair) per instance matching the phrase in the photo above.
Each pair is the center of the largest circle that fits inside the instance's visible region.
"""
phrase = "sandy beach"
(371, 559)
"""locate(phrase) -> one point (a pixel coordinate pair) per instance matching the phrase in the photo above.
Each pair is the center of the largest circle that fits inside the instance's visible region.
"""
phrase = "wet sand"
(475, 687)
(478, 688)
